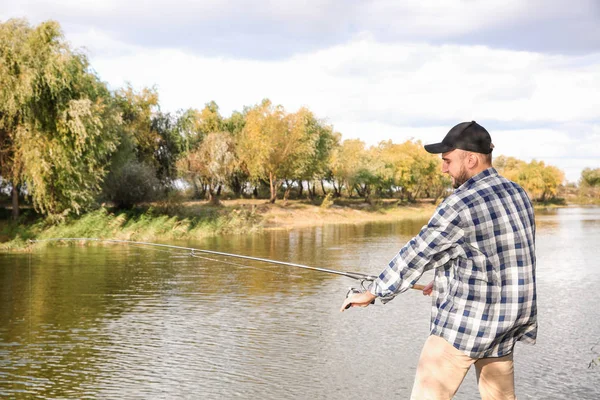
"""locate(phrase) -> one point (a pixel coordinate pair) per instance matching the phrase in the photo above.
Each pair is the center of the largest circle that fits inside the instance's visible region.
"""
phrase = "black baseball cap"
(469, 136)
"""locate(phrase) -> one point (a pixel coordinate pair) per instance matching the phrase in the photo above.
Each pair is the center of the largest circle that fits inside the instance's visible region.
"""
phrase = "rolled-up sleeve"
(438, 242)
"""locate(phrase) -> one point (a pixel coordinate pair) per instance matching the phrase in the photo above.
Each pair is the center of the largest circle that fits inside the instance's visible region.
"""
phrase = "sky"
(528, 71)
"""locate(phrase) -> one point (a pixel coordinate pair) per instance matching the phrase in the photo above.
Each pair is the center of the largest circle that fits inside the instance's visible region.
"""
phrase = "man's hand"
(358, 300)
(428, 289)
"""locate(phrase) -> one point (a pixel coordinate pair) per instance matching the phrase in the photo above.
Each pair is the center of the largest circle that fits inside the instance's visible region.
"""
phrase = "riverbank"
(190, 220)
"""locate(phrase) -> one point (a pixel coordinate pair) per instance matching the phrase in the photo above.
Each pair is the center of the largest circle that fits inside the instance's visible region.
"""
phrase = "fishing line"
(362, 278)
(189, 254)
(353, 275)
(243, 266)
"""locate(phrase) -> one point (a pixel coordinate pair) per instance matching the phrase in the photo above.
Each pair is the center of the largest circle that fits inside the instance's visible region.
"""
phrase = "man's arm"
(437, 243)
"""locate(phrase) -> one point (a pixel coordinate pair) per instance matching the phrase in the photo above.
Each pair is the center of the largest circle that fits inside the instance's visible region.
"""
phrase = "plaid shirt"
(481, 243)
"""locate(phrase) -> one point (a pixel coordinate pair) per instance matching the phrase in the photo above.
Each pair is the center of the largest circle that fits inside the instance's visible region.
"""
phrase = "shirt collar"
(476, 178)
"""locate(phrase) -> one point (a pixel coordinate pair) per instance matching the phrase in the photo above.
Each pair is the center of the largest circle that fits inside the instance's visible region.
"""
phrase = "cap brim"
(438, 148)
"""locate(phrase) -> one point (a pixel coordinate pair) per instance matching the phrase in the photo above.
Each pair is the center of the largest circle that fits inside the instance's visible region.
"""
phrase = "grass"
(188, 220)
(138, 225)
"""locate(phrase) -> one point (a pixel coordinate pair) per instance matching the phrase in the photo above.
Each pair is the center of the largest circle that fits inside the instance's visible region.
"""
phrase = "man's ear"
(472, 160)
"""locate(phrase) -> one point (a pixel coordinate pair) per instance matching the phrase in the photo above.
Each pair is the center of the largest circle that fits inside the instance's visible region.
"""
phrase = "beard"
(461, 178)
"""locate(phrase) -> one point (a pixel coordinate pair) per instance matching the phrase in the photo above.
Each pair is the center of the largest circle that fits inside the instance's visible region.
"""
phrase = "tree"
(168, 147)
(196, 127)
(212, 163)
(138, 108)
(235, 123)
(132, 176)
(541, 181)
(407, 168)
(349, 164)
(275, 146)
(191, 168)
(509, 167)
(209, 119)
(16, 90)
(590, 177)
(220, 161)
(321, 140)
(188, 126)
(238, 180)
(132, 183)
(153, 139)
(424, 172)
(58, 122)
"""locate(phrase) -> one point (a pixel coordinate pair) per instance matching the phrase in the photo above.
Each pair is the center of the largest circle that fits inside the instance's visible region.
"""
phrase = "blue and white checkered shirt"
(481, 243)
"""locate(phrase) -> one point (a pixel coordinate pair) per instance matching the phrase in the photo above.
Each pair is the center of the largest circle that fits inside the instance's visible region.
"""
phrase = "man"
(481, 244)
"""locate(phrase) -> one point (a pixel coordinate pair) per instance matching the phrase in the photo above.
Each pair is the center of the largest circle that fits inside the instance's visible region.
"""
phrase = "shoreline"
(193, 220)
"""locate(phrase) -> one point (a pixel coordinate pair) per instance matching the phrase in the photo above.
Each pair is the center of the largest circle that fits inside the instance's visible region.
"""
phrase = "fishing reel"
(362, 289)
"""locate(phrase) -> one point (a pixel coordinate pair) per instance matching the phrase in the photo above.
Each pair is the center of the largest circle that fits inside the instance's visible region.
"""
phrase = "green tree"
(351, 166)
(321, 140)
(309, 153)
(58, 123)
(16, 90)
(169, 145)
(187, 124)
(590, 177)
(132, 183)
(238, 180)
(235, 123)
(138, 108)
(152, 138)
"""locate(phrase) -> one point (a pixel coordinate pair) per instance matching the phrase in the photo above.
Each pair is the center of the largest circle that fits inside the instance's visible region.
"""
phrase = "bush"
(133, 183)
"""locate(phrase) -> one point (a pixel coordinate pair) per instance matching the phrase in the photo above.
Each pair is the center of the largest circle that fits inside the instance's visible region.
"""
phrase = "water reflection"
(127, 322)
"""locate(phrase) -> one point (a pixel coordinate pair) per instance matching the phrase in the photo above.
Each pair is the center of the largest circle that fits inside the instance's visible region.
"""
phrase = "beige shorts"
(442, 369)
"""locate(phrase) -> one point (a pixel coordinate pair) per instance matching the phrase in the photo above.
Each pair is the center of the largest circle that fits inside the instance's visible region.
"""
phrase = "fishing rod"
(362, 278)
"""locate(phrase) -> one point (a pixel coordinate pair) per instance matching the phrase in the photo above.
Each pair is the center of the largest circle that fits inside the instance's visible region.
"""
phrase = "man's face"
(454, 165)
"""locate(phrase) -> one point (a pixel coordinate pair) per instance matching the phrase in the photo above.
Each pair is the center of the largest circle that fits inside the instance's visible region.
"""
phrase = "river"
(119, 321)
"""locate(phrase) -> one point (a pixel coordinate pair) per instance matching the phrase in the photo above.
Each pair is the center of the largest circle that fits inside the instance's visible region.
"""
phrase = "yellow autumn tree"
(541, 181)
(275, 146)
(407, 168)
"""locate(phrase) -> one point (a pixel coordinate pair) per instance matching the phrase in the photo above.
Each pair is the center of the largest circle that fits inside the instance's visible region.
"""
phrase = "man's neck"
(479, 170)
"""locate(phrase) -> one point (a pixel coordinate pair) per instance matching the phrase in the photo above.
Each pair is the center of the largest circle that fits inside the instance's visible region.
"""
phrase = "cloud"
(238, 28)
(534, 25)
(537, 106)
(528, 71)
(277, 30)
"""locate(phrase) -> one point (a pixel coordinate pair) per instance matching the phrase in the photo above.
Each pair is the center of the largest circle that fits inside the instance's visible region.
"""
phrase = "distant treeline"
(67, 143)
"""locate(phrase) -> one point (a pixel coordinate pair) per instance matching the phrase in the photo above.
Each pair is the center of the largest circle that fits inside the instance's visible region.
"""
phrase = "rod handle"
(416, 286)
